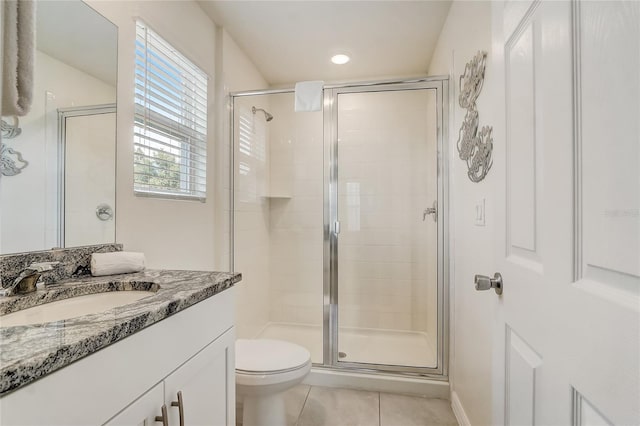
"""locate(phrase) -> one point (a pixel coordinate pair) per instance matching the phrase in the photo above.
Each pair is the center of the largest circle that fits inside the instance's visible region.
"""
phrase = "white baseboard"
(458, 410)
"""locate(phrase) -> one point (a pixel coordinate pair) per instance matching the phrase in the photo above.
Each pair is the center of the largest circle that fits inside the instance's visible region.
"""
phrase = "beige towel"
(18, 56)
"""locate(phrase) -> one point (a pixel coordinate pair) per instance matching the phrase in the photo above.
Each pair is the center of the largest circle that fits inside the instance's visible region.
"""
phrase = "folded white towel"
(309, 96)
(117, 262)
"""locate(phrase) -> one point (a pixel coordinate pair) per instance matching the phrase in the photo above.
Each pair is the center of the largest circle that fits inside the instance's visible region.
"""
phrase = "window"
(170, 125)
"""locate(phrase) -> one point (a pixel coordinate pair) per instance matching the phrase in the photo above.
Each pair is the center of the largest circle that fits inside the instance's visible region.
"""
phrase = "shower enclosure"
(338, 220)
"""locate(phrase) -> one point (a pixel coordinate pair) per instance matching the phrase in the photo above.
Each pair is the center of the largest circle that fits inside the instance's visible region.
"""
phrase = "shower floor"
(392, 347)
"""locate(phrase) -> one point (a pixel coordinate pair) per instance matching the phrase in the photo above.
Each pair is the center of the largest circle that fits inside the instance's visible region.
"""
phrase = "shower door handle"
(336, 228)
(431, 210)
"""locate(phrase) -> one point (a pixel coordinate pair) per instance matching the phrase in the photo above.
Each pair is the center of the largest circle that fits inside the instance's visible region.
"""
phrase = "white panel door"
(207, 386)
(567, 157)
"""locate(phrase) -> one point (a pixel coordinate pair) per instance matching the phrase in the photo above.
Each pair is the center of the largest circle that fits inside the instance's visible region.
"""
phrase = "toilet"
(265, 369)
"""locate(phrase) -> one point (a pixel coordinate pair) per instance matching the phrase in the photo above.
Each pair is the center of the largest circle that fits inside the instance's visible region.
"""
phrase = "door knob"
(485, 283)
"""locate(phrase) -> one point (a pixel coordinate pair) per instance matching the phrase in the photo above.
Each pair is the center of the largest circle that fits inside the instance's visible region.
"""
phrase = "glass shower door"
(386, 286)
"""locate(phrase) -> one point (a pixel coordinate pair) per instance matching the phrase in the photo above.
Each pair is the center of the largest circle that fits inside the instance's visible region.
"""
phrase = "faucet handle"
(27, 281)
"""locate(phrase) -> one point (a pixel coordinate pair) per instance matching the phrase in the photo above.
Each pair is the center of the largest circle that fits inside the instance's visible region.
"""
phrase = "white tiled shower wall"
(251, 221)
(296, 213)
(387, 177)
(388, 254)
(238, 73)
(279, 213)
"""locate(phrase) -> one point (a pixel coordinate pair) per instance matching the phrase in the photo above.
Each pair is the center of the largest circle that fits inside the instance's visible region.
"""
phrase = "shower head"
(267, 116)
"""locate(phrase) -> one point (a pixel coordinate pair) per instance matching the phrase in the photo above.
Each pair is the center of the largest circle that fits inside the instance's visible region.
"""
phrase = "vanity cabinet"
(202, 384)
(143, 411)
(128, 382)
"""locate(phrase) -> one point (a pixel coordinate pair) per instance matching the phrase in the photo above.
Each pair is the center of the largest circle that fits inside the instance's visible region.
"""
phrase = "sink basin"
(72, 307)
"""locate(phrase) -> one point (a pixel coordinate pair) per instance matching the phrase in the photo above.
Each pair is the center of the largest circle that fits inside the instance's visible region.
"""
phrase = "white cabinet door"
(207, 385)
(567, 338)
(143, 411)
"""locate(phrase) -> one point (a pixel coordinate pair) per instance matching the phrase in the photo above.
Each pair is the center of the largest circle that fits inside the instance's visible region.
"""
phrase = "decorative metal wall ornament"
(9, 166)
(10, 131)
(474, 147)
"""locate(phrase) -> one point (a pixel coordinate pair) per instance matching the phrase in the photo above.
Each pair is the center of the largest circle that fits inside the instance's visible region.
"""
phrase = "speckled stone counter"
(30, 352)
(74, 262)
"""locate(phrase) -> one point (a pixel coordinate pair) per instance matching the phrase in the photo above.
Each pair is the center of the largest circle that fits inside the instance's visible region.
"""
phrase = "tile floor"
(321, 406)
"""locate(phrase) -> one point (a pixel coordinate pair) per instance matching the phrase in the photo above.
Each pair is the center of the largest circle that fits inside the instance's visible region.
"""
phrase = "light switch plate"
(480, 217)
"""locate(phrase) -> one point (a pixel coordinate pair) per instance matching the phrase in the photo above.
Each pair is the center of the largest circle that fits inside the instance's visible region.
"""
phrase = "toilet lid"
(266, 355)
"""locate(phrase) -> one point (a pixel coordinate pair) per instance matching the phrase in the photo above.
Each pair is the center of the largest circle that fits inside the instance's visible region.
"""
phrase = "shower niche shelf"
(278, 196)
(280, 183)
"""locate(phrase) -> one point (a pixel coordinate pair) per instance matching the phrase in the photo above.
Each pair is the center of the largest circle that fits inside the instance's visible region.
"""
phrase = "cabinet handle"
(180, 406)
(163, 418)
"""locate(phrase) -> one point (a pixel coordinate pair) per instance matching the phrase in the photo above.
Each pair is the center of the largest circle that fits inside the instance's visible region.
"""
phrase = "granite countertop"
(30, 352)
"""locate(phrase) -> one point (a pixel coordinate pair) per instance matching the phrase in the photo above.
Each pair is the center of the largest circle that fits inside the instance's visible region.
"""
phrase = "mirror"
(64, 195)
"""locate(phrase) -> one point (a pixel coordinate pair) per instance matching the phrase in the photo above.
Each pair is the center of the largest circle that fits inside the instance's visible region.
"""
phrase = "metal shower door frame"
(63, 114)
(330, 349)
(330, 249)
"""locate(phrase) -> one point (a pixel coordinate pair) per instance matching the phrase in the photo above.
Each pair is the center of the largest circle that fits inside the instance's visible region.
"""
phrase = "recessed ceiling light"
(340, 59)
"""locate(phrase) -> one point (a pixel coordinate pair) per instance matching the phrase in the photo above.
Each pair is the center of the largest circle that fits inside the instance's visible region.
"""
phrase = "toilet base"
(264, 410)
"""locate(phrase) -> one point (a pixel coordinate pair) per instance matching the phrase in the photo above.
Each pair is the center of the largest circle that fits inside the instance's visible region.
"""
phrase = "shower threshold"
(362, 345)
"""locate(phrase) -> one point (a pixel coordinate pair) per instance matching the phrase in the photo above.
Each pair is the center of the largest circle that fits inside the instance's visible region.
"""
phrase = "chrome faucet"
(28, 278)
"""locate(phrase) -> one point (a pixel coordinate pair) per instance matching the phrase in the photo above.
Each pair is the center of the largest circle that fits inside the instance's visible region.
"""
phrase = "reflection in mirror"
(65, 196)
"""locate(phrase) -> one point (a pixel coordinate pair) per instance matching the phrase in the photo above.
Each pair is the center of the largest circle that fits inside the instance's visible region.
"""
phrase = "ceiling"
(291, 41)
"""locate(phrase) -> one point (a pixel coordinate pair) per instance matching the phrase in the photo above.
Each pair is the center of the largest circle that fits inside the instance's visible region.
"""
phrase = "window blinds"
(170, 125)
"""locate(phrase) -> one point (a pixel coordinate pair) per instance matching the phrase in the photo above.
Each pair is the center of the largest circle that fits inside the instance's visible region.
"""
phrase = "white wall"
(184, 234)
(29, 198)
(1, 177)
(173, 234)
(467, 30)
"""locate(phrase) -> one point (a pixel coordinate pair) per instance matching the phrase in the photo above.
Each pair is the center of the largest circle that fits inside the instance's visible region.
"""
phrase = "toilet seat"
(266, 356)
